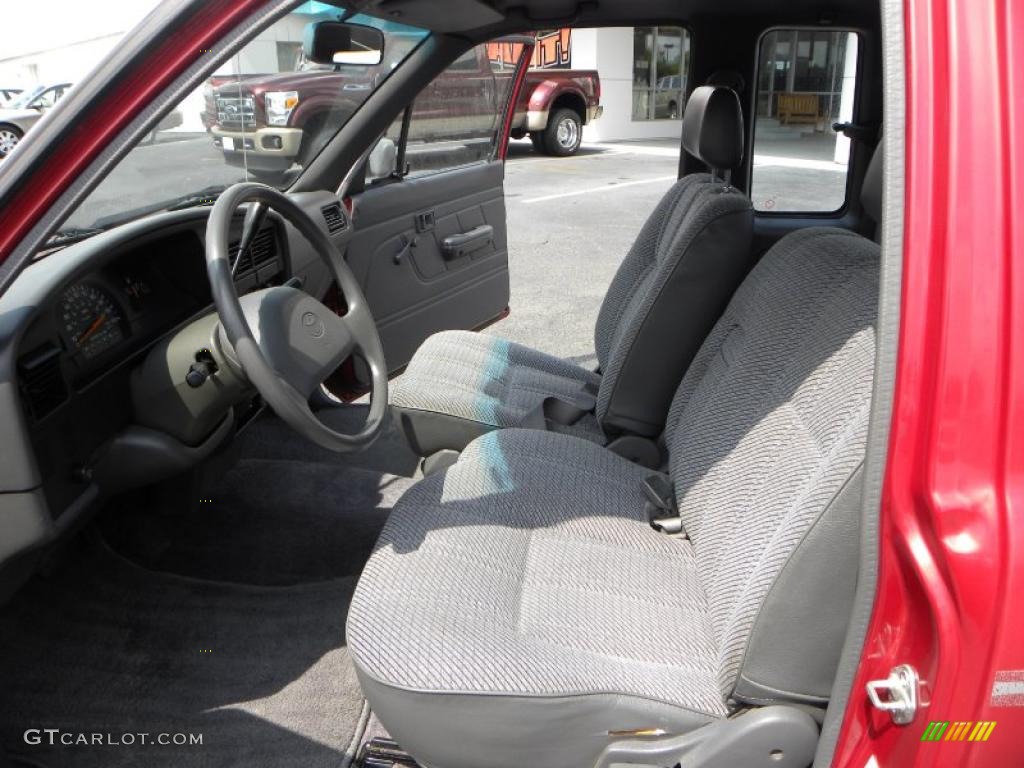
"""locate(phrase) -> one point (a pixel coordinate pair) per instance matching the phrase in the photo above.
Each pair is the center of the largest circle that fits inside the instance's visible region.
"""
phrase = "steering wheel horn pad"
(284, 340)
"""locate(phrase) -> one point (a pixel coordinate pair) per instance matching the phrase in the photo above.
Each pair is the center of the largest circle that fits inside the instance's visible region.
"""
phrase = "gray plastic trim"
(794, 645)
(772, 737)
(894, 87)
(454, 729)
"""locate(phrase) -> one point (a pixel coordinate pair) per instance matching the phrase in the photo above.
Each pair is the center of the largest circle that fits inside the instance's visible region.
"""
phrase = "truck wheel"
(564, 133)
(9, 138)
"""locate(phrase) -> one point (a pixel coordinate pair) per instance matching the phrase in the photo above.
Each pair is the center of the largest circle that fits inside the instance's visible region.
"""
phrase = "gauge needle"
(94, 326)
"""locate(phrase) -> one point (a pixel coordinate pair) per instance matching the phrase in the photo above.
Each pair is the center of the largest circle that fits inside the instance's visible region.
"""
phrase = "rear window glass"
(806, 82)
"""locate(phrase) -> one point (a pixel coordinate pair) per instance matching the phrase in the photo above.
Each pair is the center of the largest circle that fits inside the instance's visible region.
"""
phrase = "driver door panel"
(414, 285)
(429, 244)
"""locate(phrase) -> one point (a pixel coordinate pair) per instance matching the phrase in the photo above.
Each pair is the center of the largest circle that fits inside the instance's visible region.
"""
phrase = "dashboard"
(76, 359)
(97, 321)
(80, 328)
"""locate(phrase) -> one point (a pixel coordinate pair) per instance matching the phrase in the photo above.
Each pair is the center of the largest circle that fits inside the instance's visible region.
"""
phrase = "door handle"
(455, 246)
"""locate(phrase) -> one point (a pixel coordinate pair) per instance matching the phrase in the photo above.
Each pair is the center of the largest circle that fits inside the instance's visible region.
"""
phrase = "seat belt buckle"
(671, 526)
(662, 512)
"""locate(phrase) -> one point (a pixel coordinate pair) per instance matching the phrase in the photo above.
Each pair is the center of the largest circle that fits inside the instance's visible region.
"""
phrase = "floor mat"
(260, 674)
(268, 521)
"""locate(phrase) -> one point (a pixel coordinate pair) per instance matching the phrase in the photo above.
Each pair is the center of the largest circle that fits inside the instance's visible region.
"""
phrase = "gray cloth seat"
(485, 379)
(687, 260)
(518, 607)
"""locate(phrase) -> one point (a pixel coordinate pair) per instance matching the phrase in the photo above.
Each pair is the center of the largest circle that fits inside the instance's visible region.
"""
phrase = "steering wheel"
(285, 341)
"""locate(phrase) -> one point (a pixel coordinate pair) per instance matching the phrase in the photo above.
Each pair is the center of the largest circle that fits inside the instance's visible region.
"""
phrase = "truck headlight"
(280, 105)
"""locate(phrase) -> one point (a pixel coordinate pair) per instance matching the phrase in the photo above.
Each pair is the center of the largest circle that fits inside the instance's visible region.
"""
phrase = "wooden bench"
(798, 108)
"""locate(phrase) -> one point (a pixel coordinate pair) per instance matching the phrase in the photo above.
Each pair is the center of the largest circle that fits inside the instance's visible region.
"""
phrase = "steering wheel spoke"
(286, 341)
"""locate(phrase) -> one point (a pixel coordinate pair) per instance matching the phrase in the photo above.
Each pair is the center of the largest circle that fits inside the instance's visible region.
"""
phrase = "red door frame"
(951, 580)
(178, 50)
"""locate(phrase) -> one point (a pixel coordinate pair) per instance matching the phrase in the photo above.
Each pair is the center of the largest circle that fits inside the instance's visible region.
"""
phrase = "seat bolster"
(664, 325)
(458, 730)
(793, 651)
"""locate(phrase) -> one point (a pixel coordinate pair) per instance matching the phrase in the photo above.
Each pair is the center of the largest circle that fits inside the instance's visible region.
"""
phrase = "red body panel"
(951, 583)
(543, 86)
(513, 99)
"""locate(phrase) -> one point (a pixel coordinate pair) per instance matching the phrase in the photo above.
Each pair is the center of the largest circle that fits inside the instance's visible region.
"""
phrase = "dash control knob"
(199, 372)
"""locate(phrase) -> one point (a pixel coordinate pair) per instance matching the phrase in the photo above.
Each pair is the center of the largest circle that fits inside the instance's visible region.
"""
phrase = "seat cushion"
(524, 592)
(491, 382)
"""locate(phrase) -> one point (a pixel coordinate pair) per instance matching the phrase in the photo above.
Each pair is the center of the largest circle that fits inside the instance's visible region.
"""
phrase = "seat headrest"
(871, 188)
(713, 127)
(727, 78)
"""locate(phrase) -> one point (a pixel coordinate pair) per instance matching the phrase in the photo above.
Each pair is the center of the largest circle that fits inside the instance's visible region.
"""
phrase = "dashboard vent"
(262, 253)
(42, 384)
(335, 217)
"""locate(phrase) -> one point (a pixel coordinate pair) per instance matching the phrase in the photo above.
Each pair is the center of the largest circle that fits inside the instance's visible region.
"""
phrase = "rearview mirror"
(336, 42)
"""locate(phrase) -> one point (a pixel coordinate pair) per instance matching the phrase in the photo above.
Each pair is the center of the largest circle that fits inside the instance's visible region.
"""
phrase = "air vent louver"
(335, 218)
(42, 384)
(262, 253)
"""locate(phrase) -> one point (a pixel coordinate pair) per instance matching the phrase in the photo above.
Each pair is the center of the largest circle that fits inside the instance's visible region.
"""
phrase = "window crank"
(407, 245)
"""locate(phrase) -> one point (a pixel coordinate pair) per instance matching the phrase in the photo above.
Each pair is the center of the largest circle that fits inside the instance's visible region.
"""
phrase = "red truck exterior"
(551, 99)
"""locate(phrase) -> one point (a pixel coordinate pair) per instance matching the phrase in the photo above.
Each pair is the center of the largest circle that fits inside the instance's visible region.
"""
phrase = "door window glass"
(456, 120)
(660, 67)
(806, 81)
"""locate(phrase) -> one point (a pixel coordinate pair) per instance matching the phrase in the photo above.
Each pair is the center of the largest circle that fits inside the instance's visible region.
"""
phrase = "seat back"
(686, 262)
(766, 435)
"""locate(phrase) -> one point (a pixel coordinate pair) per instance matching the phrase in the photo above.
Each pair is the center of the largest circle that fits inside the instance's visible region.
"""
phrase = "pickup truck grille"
(239, 111)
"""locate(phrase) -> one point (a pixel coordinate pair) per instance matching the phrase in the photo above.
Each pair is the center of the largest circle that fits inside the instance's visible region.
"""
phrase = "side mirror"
(383, 160)
(337, 42)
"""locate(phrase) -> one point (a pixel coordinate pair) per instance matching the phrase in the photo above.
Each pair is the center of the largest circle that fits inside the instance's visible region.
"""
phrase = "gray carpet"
(271, 522)
(103, 646)
(223, 618)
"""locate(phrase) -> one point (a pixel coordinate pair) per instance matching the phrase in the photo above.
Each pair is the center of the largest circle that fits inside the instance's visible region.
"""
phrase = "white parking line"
(765, 161)
(602, 188)
(628, 148)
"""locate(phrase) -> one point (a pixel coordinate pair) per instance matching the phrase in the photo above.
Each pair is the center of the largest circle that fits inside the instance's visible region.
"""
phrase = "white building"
(643, 73)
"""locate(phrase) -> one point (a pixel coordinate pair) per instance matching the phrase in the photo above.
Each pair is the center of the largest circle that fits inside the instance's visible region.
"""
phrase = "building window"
(289, 56)
(661, 64)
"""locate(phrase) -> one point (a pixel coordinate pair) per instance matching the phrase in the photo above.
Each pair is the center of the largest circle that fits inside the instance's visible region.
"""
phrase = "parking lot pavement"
(177, 164)
(570, 223)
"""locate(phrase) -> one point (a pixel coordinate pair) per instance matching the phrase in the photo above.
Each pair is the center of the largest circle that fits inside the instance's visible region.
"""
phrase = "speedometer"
(91, 319)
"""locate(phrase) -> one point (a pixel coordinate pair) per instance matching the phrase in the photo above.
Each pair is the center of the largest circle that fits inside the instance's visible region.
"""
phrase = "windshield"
(263, 116)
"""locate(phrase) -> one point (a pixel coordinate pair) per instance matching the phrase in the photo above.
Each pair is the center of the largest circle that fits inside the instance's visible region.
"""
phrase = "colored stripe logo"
(944, 730)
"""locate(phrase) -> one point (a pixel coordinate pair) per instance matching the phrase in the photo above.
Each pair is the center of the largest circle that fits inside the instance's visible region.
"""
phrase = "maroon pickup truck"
(275, 118)
(553, 107)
